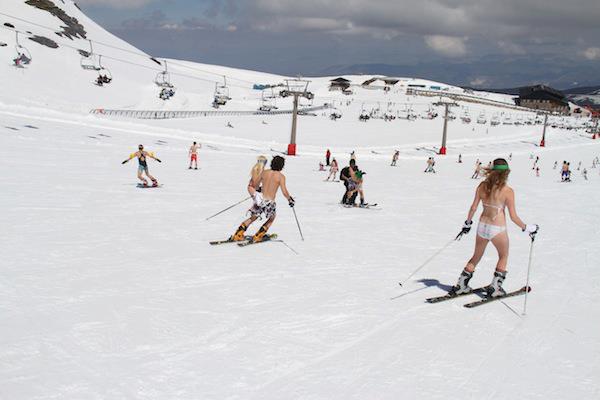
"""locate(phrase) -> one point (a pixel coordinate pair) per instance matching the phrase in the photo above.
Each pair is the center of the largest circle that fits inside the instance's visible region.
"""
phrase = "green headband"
(500, 167)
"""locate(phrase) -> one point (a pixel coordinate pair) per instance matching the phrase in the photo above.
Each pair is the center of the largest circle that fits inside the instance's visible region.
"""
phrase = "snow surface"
(113, 292)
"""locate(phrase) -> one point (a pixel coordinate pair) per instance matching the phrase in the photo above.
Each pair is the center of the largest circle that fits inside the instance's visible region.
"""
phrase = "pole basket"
(291, 149)
(443, 151)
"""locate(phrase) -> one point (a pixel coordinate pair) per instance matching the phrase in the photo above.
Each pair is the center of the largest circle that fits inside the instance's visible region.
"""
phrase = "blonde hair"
(495, 179)
(258, 168)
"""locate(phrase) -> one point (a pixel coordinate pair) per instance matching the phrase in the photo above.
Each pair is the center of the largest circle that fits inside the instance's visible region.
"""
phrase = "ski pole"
(298, 223)
(528, 271)
(429, 260)
(228, 208)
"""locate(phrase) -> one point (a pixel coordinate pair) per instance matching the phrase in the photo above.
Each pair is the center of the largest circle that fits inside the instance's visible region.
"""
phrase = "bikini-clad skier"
(495, 196)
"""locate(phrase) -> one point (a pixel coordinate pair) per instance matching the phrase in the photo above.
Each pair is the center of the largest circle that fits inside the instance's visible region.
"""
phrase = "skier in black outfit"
(345, 177)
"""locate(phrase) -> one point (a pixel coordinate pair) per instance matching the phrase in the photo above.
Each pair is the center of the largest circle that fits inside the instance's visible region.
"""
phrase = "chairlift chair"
(88, 59)
(221, 94)
(104, 74)
(163, 78)
(23, 57)
(268, 100)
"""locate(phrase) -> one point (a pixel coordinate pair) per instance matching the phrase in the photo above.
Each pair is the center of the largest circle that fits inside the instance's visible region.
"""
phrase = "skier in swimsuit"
(141, 155)
(496, 196)
(333, 170)
(193, 153)
(272, 180)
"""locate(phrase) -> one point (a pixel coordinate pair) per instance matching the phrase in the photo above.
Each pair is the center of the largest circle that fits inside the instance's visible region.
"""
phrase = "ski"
(368, 205)
(449, 296)
(139, 185)
(481, 302)
(267, 238)
(218, 242)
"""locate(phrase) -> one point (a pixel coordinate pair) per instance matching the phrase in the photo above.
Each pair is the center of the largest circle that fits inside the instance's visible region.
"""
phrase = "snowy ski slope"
(112, 292)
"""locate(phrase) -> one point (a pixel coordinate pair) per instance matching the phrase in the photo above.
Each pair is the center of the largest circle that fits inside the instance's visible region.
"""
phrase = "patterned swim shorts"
(268, 208)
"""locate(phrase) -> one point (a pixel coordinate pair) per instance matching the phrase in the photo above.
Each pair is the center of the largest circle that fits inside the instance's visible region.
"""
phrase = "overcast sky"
(485, 43)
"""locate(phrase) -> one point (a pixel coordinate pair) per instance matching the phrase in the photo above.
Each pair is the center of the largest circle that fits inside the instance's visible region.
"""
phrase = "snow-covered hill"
(113, 292)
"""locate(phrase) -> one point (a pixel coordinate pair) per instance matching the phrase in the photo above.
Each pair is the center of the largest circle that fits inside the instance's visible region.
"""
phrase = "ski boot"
(240, 234)
(145, 183)
(362, 203)
(154, 183)
(462, 286)
(260, 235)
(495, 288)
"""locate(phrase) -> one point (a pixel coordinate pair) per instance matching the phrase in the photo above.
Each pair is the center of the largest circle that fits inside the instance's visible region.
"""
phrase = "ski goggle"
(500, 167)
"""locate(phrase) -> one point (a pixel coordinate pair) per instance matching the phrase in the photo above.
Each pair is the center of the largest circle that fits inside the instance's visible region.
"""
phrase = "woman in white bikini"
(254, 189)
(495, 196)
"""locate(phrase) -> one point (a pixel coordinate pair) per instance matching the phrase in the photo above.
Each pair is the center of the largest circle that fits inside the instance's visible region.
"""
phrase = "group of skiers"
(493, 193)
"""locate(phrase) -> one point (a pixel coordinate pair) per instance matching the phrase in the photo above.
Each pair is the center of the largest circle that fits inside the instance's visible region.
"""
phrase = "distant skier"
(477, 171)
(584, 173)
(460, 158)
(142, 156)
(579, 166)
(321, 166)
(430, 165)
(333, 170)
(395, 158)
(193, 153)
(327, 157)
(537, 171)
(535, 163)
(510, 157)
(555, 164)
(496, 196)
(271, 180)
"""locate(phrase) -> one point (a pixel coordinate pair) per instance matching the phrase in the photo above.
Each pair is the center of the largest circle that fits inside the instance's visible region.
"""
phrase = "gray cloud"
(477, 42)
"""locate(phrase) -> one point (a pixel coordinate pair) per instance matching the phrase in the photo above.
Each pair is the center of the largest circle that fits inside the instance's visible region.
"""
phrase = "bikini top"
(498, 209)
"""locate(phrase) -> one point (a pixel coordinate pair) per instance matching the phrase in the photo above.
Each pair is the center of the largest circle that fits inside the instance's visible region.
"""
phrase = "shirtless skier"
(270, 180)
(142, 156)
(193, 153)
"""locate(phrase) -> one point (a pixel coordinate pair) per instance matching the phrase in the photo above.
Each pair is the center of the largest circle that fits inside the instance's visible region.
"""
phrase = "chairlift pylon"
(23, 57)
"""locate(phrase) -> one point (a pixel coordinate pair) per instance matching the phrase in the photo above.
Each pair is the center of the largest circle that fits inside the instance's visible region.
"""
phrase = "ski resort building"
(541, 97)
(339, 84)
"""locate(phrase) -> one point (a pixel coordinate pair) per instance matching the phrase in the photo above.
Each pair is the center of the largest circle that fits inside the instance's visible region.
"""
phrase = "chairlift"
(104, 75)
(307, 101)
(88, 59)
(221, 94)
(23, 57)
(268, 100)
(482, 119)
(163, 79)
